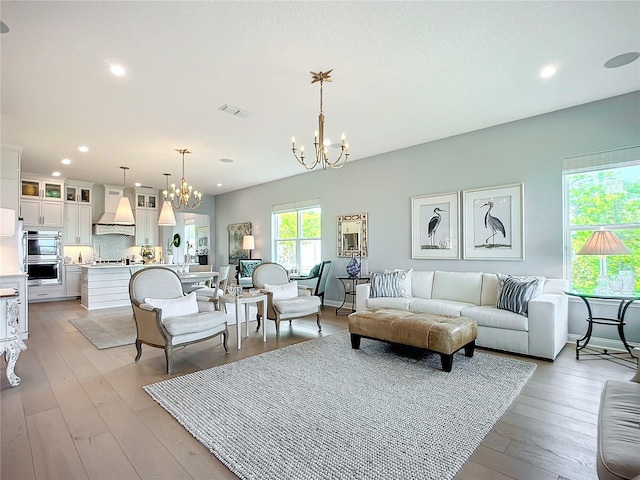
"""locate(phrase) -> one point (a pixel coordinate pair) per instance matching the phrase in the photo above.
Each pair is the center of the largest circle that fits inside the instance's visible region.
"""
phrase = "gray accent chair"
(618, 430)
(304, 304)
(166, 333)
(317, 283)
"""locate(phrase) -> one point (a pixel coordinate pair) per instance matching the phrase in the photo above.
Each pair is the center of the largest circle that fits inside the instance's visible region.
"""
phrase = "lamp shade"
(248, 242)
(167, 217)
(124, 214)
(603, 242)
(7, 222)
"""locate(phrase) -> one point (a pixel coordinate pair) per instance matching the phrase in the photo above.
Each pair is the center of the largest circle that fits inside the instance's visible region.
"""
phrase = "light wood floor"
(81, 412)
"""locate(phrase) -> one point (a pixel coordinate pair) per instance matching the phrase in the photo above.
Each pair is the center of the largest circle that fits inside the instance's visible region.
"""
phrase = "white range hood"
(105, 224)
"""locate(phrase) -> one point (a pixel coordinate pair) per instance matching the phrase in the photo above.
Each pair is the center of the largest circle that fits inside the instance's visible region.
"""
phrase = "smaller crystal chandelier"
(183, 196)
(318, 142)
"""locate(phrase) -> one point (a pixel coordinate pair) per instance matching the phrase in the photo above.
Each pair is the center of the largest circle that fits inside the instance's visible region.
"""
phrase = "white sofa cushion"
(436, 306)
(399, 303)
(457, 286)
(297, 305)
(421, 283)
(488, 316)
(489, 294)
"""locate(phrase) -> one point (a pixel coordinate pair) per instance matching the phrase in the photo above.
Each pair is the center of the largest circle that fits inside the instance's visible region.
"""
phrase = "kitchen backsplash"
(108, 247)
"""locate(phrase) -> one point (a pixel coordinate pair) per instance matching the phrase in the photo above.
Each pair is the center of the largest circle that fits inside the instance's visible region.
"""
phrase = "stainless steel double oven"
(43, 257)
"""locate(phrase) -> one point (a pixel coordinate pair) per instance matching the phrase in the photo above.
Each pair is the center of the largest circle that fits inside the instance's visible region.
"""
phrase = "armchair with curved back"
(282, 304)
(317, 282)
(160, 285)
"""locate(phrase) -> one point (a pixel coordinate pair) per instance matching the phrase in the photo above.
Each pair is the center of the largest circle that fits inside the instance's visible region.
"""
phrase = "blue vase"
(353, 267)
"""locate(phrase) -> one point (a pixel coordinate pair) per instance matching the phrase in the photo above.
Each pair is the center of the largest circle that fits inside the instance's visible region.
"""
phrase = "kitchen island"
(107, 285)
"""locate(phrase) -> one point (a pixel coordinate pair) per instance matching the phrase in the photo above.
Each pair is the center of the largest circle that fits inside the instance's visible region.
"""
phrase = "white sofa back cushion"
(458, 286)
(489, 289)
(421, 283)
(555, 285)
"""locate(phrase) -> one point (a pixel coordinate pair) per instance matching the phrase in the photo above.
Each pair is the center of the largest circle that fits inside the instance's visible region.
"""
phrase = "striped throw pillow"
(393, 284)
(502, 277)
(515, 294)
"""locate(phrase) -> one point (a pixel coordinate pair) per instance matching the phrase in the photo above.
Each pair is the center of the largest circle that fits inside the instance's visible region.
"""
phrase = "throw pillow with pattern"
(502, 277)
(393, 284)
(515, 294)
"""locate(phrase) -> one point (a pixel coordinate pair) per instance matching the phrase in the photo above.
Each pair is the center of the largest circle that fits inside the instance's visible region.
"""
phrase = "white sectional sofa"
(542, 333)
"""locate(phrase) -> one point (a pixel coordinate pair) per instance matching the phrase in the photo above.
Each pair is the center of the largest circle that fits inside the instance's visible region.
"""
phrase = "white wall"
(528, 151)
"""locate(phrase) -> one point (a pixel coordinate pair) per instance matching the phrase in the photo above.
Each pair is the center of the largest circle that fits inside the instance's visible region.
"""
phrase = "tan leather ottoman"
(444, 335)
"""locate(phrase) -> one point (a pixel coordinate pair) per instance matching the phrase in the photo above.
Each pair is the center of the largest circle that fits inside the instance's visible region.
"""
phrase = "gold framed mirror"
(352, 235)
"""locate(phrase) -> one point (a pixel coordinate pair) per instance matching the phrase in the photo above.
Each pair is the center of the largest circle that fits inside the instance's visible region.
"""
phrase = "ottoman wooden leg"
(355, 341)
(468, 349)
(447, 361)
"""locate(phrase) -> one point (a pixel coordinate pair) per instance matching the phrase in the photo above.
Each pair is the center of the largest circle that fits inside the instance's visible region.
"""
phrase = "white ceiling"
(405, 73)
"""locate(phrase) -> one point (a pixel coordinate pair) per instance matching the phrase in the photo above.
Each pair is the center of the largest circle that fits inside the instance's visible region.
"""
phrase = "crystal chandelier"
(183, 195)
(321, 156)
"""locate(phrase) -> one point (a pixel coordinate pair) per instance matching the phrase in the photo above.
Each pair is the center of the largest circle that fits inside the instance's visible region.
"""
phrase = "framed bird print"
(435, 226)
(494, 223)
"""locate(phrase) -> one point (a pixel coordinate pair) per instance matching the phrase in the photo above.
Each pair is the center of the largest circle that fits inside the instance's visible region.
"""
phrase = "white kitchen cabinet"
(45, 293)
(146, 226)
(78, 192)
(145, 210)
(33, 187)
(77, 229)
(72, 280)
(42, 213)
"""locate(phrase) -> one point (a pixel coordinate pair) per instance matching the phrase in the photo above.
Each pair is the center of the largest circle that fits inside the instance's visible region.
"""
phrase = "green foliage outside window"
(291, 228)
(609, 198)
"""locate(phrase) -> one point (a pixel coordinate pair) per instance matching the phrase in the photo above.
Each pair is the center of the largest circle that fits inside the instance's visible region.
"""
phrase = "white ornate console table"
(10, 343)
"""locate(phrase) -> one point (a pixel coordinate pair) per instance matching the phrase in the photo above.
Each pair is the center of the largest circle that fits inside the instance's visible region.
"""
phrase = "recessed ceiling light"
(65, 161)
(55, 174)
(622, 60)
(118, 70)
(83, 148)
(138, 184)
(548, 71)
(226, 160)
(219, 184)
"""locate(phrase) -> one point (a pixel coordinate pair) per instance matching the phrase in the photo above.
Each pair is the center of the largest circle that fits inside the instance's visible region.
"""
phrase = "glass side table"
(619, 322)
(349, 285)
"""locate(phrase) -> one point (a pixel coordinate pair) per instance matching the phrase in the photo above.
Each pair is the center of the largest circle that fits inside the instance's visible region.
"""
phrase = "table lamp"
(603, 242)
(248, 243)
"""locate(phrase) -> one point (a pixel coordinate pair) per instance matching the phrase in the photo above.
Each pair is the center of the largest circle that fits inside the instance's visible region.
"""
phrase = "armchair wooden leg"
(139, 349)
(277, 328)
(318, 322)
(258, 319)
(168, 353)
(224, 340)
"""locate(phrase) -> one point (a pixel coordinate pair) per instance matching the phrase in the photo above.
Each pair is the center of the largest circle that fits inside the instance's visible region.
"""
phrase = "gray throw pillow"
(515, 295)
(393, 284)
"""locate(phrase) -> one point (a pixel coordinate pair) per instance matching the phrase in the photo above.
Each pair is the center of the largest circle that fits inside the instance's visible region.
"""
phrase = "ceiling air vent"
(235, 111)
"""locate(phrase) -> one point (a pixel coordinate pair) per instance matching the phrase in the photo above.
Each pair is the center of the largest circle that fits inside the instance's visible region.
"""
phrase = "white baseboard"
(599, 342)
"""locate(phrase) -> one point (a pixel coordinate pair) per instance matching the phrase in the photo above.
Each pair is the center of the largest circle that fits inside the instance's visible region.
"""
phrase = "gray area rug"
(321, 410)
(107, 331)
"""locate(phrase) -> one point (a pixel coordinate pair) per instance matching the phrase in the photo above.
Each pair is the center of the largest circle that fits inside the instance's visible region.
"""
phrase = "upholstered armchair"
(285, 300)
(245, 271)
(166, 318)
(316, 280)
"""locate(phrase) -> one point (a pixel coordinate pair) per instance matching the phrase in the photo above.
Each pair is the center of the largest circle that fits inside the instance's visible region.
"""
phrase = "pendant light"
(124, 214)
(167, 217)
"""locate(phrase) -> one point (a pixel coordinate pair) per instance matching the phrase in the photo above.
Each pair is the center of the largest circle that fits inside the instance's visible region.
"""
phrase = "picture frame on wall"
(494, 223)
(237, 231)
(435, 226)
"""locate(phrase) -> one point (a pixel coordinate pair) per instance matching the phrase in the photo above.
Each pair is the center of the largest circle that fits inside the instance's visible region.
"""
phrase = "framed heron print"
(494, 223)
(435, 226)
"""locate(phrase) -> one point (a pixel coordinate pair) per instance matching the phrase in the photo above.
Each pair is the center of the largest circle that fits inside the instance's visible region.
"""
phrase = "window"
(297, 235)
(602, 190)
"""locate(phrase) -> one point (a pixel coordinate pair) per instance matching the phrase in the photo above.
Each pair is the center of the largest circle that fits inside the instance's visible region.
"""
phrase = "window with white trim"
(602, 190)
(297, 238)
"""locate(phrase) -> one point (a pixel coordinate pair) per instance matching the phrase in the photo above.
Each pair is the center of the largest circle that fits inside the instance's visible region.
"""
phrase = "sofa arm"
(363, 291)
(548, 325)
